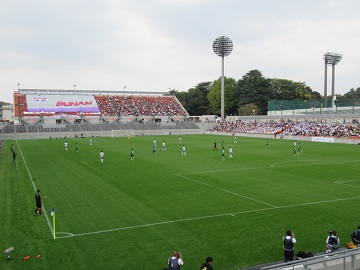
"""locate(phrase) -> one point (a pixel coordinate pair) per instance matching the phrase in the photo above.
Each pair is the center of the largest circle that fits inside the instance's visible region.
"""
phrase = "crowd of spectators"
(139, 106)
(314, 128)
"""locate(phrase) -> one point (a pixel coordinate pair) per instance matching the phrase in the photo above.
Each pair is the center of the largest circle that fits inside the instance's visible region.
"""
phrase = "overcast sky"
(154, 45)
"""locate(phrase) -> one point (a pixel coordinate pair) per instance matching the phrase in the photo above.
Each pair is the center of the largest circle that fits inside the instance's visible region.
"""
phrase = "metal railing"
(347, 260)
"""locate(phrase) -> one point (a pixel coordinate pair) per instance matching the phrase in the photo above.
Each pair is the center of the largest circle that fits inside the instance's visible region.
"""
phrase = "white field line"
(346, 181)
(33, 184)
(306, 164)
(229, 170)
(202, 217)
(274, 165)
(252, 199)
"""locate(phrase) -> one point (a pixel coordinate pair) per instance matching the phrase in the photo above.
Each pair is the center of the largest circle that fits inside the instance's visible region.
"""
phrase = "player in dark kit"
(215, 148)
(14, 155)
(38, 199)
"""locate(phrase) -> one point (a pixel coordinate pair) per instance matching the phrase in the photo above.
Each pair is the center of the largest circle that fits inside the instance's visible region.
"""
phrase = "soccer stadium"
(128, 180)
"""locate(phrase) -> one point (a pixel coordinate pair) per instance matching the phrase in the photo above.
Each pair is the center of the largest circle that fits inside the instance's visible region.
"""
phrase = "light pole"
(124, 89)
(74, 87)
(330, 59)
(222, 47)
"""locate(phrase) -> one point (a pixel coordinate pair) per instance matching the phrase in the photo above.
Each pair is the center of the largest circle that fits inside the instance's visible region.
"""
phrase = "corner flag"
(53, 215)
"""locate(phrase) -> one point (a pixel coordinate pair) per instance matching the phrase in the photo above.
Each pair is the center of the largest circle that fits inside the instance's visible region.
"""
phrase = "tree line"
(249, 94)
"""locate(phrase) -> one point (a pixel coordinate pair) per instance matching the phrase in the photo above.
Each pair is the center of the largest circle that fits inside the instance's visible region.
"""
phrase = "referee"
(38, 199)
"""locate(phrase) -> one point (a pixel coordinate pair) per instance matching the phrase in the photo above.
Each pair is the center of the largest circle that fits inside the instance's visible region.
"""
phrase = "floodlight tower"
(222, 47)
(330, 59)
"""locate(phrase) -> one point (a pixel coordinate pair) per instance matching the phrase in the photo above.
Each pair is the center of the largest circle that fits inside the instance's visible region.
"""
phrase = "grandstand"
(72, 106)
(96, 113)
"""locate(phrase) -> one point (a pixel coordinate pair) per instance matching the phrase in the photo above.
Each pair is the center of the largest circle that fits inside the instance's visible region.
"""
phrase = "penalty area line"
(233, 193)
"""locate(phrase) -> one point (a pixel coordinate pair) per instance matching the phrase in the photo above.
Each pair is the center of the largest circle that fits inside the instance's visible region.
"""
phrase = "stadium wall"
(124, 133)
(291, 138)
(110, 133)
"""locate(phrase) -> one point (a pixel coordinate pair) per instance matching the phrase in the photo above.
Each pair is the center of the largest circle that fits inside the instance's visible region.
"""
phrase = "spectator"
(332, 242)
(289, 241)
(175, 261)
(355, 236)
(207, 265)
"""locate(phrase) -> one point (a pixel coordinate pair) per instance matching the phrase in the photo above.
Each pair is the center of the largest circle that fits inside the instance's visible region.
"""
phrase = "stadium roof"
(86, 92)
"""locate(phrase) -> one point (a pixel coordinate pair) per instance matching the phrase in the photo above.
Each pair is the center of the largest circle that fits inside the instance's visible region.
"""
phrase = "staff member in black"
(289, 241)
(38, 199)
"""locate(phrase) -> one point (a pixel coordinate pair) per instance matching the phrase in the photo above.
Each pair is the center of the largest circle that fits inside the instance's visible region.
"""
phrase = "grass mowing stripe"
(124, 206)
(35, 189)
(202, 217)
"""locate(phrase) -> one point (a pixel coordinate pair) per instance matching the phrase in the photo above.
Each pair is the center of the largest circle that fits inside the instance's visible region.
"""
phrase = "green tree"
(181, 96)
(249, 109)
(197, 102)
(230, 96)
(254, 88)
(353, 94)
(283, 89)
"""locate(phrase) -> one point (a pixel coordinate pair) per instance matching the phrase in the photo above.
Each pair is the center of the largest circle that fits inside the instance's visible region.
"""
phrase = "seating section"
(312, 128)
(140, 106)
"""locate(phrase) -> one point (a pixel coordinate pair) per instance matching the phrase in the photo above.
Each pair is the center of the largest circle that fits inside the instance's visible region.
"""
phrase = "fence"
(109, 133)
(347, 260)
(292, 107)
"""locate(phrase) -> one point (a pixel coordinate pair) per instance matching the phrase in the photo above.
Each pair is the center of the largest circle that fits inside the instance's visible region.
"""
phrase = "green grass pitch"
(131, 214)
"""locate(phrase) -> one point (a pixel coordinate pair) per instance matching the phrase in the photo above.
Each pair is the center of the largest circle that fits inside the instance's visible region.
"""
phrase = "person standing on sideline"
(215, 148)
(38, 199)
(66, 145)
(132, 154)
(175, 261)
(230, 152)
(289, 241)
(102, 156)
(207, 265)
(14, 155)
(183, 152)
(235, 140)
